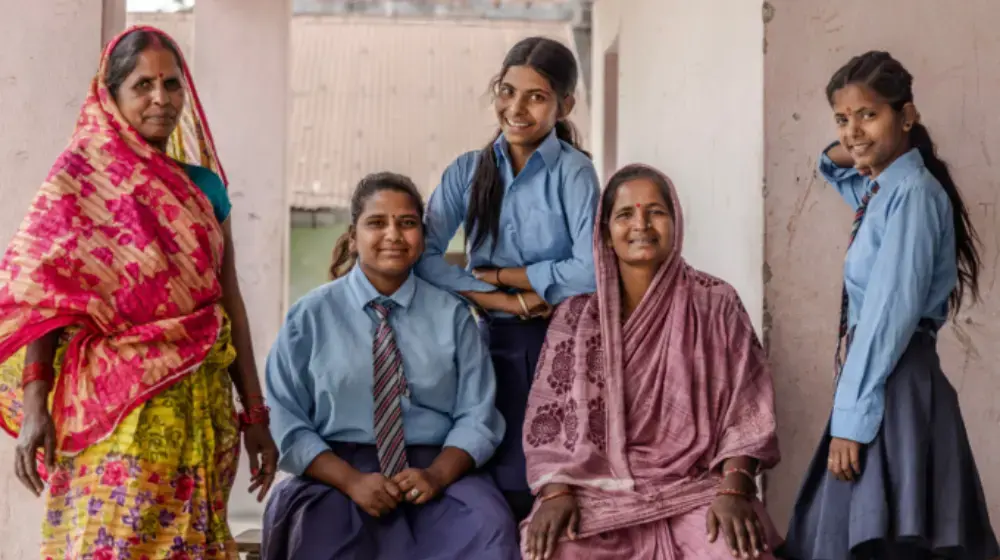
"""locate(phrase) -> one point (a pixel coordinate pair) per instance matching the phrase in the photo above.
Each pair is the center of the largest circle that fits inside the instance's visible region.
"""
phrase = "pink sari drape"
(638, 417)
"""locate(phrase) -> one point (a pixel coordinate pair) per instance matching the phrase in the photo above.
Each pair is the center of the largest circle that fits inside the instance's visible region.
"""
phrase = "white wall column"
(691, 95)
(49, 51)
(241, 61)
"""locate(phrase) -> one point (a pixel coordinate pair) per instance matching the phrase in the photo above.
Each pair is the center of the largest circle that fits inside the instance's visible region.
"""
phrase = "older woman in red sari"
(122, 328)
(652, 409)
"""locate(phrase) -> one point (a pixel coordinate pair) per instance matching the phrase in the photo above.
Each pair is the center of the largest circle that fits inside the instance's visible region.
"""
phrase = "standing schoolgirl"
(894, 475)
(527, 202)
(382, 404)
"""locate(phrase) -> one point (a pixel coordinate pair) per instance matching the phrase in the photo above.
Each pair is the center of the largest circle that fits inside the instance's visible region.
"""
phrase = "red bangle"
(555, 495)
(737, 470)
(255, 414)
(36, 371)
(733, 492)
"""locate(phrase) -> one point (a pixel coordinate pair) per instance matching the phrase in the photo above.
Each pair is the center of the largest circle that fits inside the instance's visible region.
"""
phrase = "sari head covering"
(121, 248)
(638, 417)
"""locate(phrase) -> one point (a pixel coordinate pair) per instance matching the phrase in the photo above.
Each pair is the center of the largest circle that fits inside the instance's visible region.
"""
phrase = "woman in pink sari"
(652, 409)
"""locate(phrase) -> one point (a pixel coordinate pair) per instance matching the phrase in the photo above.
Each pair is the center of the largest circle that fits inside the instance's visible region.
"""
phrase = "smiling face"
(151, 97)
(640, 225)
(388, 237)
(527, 107)
(871, 130)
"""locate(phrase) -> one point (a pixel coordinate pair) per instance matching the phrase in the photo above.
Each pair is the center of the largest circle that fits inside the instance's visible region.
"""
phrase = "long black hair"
(343, 259)
(887, 77)
(556, 63)
(125, 56)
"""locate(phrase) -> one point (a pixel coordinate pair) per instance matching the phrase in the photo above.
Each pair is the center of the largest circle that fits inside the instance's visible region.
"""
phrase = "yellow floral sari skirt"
(158, 486)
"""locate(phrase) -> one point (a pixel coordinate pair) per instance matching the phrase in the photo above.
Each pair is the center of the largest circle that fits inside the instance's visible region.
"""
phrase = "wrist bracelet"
(36, 371)
(555, 495)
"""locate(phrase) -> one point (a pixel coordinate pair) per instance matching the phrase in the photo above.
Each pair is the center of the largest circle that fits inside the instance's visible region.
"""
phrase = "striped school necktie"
(388, 383)
(859, 216)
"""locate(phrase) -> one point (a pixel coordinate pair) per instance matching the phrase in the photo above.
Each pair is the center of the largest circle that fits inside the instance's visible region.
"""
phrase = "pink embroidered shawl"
(639, 417)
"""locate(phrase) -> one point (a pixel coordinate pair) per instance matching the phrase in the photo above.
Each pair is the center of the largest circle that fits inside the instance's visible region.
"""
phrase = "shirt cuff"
(855, 425)
(300, 454)
(479, 446)
(540, 278)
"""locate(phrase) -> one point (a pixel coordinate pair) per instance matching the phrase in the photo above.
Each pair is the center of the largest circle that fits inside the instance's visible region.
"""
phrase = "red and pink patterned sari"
(122, 250)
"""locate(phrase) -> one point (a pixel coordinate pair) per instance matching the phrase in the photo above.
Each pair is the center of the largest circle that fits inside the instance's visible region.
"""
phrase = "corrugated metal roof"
(372, 94)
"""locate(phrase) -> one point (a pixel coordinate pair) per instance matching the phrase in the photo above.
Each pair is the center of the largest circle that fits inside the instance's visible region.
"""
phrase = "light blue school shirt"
(900, 269)
(546, 222)
(318, 379)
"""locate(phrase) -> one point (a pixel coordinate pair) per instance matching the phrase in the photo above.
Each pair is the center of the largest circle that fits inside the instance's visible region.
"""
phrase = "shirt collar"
(364, 292)
(900, 169)
(548, 150)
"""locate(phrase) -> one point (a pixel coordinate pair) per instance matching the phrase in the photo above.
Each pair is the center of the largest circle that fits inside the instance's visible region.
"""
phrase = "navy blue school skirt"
(514, 345)
(308, 520)
(919, 495)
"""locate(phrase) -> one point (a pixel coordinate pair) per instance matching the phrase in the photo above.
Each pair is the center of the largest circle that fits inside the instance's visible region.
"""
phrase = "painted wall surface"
(690, 103)
(955, 58)
(42, 84)
(241, 71)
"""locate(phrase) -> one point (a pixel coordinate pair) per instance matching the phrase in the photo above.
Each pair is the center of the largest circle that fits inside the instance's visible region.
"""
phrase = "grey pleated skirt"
(919, 495)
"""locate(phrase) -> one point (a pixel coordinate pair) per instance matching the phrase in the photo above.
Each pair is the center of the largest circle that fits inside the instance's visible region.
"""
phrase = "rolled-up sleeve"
(478, 426)
(289, 393)
(445, 213)
(557, 280)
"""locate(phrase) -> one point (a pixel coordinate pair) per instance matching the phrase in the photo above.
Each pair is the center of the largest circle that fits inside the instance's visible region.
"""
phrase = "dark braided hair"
(343, 258)
(555, 62)
(886, 76)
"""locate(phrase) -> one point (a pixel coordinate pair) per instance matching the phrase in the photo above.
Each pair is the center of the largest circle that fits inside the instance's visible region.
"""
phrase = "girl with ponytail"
(894, 475)
(526, 202)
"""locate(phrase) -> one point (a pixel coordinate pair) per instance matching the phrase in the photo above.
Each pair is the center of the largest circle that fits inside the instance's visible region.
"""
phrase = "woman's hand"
(37, 431)
(263, 458)
(374, 493)
(489, 275)
(844, 460)
(556, 517)
(737, 519)
(417, 485)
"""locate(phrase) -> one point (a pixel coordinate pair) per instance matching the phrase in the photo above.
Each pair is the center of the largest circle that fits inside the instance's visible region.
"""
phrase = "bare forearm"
(41, 352)
(243, 372)
(555, 488)
(515, 278)
(332, 471)
(450, 465)
(491, 301)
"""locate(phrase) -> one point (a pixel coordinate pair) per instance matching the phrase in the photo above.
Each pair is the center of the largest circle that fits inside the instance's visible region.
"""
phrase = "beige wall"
(241, 70)
(690, 103)
(954, 55)
(49, 51)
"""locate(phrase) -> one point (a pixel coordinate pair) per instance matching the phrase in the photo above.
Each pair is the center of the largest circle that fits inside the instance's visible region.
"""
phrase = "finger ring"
(830, 462)
(414, 494)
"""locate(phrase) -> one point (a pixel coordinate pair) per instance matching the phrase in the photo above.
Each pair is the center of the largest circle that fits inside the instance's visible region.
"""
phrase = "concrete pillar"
(690, 98)
(49, 51)
(241, 61)
(953, 56)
